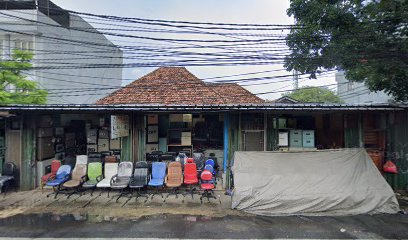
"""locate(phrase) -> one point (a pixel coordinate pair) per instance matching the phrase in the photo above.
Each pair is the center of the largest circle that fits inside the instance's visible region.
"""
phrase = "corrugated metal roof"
(220, 107)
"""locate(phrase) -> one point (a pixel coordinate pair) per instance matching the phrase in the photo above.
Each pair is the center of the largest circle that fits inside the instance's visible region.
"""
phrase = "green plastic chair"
(94, 176)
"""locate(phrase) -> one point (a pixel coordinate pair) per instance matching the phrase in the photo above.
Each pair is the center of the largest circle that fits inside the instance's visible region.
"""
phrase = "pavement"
(31, 214)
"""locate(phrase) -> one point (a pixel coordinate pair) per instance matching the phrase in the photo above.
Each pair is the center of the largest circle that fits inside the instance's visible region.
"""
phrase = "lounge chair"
(94, 176)
(140, 178)
(111, 169)
(63, 175)
(121, 180)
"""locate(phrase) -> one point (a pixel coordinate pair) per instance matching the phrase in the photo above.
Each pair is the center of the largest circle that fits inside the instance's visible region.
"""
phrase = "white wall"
(357, 92)
(54, 48)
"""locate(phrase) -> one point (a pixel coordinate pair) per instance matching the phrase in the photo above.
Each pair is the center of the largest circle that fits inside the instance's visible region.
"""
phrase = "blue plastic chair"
(63, 175)
(157, 176)
(212, 164)
(209, 168)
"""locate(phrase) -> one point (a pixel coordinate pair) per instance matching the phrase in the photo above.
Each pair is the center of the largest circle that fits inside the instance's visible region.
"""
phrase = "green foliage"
(11, 74)
(367, 39)
(314, 94)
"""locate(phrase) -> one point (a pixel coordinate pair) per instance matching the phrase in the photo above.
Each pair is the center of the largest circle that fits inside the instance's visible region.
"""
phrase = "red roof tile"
(177, 86)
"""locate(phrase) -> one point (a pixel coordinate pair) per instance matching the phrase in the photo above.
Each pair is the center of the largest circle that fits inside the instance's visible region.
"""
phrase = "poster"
(119, 126)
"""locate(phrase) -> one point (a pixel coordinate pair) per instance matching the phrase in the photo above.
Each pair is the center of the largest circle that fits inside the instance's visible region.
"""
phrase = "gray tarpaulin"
(326, 182)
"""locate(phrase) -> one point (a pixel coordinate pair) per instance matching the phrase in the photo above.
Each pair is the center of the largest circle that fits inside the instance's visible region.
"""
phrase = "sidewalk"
(37, 202)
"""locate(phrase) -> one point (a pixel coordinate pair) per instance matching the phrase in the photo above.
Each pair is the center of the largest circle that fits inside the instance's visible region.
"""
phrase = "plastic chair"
(157, 176)
(139, 178)
(174, 177)
(190, 176)
(207, 184)
(209, 168)
(63, 175)
(7, 178)
(111, 169)
(121, 180)
(55, 165)
(94, 176)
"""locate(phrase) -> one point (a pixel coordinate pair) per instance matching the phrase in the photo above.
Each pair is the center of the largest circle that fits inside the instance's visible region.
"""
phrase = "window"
(350, 85)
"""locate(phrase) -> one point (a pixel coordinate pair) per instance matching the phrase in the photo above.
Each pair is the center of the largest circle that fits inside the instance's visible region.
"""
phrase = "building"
(170, 110)
(357, 92)
(66, 48)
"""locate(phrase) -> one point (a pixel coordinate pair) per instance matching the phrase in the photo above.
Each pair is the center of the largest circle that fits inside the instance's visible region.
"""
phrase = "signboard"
(152, 134)
(119, 126)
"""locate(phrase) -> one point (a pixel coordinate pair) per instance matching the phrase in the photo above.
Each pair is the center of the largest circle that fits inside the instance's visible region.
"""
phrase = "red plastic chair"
(55, 164)
(190, 160)
(207, 184)
(190, 176)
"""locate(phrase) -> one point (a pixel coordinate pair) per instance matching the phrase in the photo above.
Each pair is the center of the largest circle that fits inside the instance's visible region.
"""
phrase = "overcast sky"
(228, 11)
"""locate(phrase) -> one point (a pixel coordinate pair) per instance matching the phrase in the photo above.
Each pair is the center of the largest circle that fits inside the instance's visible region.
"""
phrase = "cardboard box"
(91, 136)
(186, 140)
(114, 144)
(104, 134)
(152, 119)
(103, 145)
(90, 148)
(176, 117)
(151, 147)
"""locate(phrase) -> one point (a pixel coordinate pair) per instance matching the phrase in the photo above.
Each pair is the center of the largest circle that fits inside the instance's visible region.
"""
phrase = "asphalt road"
(182, 226)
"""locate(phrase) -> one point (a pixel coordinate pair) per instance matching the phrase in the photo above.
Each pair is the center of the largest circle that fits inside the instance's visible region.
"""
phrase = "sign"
(119, 126)
(152, 134)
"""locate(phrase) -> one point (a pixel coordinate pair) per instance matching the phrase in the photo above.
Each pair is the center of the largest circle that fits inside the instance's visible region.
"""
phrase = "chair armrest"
(165, 178)
(84, 178)
(113, 178)
(99, 178)
(51, 177)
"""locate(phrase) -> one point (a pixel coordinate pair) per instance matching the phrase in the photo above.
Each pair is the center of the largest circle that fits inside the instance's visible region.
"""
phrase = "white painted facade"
(54, 45)
(357, 92)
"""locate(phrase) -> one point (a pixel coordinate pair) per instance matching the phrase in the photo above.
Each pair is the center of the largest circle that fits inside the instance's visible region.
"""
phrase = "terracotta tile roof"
(177, 86)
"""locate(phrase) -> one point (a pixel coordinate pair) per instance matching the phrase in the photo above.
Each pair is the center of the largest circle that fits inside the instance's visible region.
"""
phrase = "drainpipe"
(226, 139)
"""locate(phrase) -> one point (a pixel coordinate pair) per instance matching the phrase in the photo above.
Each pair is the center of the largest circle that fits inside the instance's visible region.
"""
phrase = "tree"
(366, 39)
(314, 94)
(22, 90)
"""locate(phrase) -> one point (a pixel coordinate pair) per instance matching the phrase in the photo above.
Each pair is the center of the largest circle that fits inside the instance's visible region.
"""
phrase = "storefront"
(34, 135)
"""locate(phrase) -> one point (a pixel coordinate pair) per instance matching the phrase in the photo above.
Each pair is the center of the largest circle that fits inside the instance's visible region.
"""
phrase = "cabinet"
(283, 139)
(295, 138)
(308, 138)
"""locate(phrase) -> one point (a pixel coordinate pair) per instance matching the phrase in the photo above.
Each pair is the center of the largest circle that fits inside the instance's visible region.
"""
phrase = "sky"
(226, 11)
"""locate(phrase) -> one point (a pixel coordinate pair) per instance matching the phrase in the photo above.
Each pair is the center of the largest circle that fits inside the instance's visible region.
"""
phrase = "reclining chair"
(174, 177)
(111, 169)
(157, 176)
(121, 180)
(7, 177)
(77, 179)
(190, 176)
(63, 175)
(207, 184)
(139, 178)
(94, 176)
(55, 164)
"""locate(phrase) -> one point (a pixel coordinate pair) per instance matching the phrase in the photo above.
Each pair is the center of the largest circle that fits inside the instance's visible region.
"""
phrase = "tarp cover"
(326, 182)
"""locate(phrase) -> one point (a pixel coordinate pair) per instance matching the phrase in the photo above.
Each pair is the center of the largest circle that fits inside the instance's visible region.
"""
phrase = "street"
(186, 226)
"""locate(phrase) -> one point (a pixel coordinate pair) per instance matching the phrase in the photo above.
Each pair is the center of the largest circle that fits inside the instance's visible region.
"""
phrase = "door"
(253, 140)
